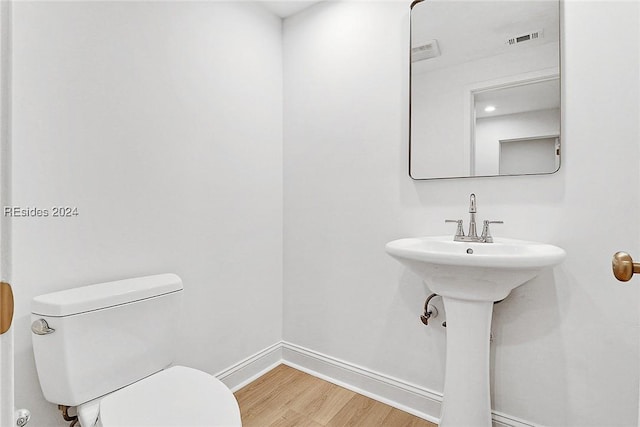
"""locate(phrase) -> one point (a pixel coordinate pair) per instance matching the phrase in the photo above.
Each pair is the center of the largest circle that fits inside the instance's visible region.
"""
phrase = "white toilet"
(107, 349)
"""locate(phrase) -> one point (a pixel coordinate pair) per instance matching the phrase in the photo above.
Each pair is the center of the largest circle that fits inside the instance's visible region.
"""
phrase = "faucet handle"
(459, 230)
(486, 234)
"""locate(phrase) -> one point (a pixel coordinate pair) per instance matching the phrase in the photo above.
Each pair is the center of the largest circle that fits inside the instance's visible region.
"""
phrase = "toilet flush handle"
(41, 327)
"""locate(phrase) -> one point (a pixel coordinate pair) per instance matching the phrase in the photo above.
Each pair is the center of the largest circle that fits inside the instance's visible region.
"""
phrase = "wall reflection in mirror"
(485, 88)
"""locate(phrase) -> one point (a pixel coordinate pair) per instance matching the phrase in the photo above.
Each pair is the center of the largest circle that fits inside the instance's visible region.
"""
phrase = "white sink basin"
(470, 277)
(474, 271)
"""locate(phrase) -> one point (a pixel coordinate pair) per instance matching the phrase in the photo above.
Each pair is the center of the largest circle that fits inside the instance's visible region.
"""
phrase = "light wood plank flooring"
(286, 397)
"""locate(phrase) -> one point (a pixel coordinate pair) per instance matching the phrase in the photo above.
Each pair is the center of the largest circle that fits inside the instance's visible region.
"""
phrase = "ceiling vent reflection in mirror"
(425, 51)
(533, 35)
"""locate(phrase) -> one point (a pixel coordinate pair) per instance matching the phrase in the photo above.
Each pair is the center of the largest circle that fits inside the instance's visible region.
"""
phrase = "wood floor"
(286, 397)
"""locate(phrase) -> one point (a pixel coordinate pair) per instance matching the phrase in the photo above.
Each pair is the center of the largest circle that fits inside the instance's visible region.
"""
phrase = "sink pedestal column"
(467, 400)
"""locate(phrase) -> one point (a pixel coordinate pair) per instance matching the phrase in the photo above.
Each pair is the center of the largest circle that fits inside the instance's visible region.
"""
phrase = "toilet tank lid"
(103, 295)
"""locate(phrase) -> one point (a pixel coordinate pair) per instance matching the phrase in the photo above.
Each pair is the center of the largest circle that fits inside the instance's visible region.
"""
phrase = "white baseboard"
(500, 419)
(242, 373)
(401, 394)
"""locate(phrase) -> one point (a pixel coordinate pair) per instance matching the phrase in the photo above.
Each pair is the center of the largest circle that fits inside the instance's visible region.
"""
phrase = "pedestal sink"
(470, 276)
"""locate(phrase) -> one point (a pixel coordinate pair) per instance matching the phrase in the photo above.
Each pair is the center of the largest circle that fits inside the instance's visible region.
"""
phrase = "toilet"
(108, 349)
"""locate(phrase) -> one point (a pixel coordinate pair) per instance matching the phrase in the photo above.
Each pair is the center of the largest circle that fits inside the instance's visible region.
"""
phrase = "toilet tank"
(105, 336)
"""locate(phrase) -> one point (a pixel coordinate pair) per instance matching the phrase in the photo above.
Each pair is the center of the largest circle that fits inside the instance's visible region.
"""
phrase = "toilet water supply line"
(65, 414)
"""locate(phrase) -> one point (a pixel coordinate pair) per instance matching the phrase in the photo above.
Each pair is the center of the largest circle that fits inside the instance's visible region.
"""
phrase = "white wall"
(566, 344)
(162, 123)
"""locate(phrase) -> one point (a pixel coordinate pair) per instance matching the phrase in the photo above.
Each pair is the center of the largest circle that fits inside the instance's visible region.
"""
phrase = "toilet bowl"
(176, 396)
(108, 349)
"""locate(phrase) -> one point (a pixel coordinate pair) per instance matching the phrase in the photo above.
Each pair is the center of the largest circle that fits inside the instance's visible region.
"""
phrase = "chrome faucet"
(485, 237)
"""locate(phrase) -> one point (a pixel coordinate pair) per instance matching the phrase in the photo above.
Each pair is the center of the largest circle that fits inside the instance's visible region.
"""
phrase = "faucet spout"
(473, 233)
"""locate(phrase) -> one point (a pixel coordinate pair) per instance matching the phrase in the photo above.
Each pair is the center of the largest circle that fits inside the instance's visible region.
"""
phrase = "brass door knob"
(6, 307)
(623, 266)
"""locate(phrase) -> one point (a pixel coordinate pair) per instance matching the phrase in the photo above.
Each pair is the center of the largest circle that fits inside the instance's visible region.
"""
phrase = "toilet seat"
(177, 396)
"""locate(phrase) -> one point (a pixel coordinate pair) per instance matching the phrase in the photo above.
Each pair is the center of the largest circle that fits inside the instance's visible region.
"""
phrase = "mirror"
(485, 88)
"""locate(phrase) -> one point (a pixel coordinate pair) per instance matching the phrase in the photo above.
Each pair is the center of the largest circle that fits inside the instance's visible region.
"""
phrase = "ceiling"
(287, 8)
(468, 30)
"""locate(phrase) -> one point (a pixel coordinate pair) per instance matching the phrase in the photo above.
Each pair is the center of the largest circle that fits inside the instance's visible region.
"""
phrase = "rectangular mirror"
(485, 88)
